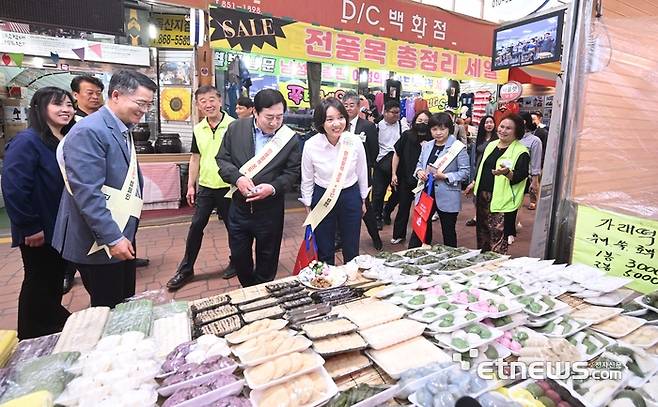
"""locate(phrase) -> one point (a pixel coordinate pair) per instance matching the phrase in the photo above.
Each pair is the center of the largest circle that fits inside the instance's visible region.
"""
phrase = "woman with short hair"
(32, 186)
(334, 160)
(499, 183)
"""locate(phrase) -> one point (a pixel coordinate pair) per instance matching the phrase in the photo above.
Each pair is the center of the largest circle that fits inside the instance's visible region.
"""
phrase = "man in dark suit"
(368, 133)
(260, 157)
(99, 212)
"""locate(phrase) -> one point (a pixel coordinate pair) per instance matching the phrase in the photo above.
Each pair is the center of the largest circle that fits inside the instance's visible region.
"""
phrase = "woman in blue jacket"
(447, 184)
(32, 186)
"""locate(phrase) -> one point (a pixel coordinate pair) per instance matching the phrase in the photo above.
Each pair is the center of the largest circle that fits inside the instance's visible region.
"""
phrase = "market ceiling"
(397, 19)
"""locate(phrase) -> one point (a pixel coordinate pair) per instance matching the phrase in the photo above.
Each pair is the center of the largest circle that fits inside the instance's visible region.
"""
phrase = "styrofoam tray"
(504, 292)
(379, 398)
(528, 331)
(537, 322)
(430, 300)
(611, 299)
(418, 315)
(461, 322)
(653, 341)
(331, 390)
(445, 339)
(167, 391)
(605, 283)
(232, 389)
(559, 305)
(304, 344)
(250, 381)
(420, 347)
(639, 301)
(582, 349)
(513, 307)
(517, 320)
(610, 313)
(638, 323)
(580, 327)
(278, 324)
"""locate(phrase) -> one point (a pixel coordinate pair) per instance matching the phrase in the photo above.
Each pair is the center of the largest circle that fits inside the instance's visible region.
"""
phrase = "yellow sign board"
(321, 44)
(620, 245)
(173, 31)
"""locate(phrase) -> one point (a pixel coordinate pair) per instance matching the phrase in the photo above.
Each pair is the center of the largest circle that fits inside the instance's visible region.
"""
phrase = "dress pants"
(406, 200)
(381, 179)
(448, 224)
(108, 284)
(40, 309)
(370, 220)
(510, 223)
(207, 199)
(263, 222)
(346, 216)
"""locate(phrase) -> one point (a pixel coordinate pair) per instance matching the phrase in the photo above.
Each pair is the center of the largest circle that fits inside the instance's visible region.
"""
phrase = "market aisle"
(164, 246)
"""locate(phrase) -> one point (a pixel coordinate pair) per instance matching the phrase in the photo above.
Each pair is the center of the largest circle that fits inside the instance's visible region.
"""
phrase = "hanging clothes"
(420, 104)
(379, 102)
(411, 109)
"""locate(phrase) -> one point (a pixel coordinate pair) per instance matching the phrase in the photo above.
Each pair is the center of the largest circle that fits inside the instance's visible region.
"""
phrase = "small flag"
(12, 59)
(54, 56)
(197, 27)
(96, 49)
(80, 52)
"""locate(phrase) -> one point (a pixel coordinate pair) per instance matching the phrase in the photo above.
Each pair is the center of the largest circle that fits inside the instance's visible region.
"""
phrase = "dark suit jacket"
(238, 147)
(372, 139)
(96, 154)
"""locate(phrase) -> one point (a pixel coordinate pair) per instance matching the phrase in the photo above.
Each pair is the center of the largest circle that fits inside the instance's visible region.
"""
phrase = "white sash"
(442, 162)
(259, 161)
(331, 194)
(122, 203)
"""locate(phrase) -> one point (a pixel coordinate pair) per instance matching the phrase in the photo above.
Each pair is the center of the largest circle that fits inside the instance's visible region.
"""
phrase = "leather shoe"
(68, 284)
(179, 280)
(471, 222)
(229, 272)
(141, 262)
(377, 243)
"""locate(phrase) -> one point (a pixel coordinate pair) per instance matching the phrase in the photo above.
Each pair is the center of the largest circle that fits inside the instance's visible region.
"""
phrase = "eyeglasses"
(143, 106)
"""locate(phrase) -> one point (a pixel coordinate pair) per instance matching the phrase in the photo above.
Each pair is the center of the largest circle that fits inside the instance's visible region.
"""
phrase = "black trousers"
(207, 199)
(509, 225)
(40, 309)
(381, 179)
(405, 200)
(448, 229)
(370, 220)
(108, 284)
(262, 222)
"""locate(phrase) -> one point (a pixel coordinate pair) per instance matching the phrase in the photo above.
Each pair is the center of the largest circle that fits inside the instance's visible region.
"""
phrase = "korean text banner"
(618, 244)
(238, 30)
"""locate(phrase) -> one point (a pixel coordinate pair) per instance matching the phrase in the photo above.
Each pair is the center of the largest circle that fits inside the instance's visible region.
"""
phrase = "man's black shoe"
(68, 284)
(141, 262)
(179, 280)
(377, 243)
(229, 272)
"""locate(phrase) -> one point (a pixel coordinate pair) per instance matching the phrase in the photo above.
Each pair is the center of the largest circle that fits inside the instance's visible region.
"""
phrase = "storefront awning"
(542, 75)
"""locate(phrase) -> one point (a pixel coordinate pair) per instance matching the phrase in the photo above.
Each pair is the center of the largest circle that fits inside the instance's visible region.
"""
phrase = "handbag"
(423, 209)
(308, 251)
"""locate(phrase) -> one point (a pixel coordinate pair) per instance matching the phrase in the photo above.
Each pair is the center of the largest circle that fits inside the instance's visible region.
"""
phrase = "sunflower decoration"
(176, 104)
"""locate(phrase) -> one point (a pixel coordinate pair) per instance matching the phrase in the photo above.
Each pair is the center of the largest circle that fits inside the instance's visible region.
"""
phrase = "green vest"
(505, 197)
(209, 144)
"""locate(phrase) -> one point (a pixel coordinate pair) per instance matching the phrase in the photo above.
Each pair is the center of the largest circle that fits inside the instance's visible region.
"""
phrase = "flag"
(96, 49)
(12, 59)
(54, 56)
(197, 27)
(80, 52)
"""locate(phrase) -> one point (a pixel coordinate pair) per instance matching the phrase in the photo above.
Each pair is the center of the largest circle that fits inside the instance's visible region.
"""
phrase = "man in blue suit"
(96, 156)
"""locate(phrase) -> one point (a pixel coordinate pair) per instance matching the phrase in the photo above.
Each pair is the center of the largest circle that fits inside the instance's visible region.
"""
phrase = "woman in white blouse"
(334, 159)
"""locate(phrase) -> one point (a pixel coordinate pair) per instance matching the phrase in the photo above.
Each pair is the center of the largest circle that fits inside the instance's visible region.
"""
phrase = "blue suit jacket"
(96, 154)
(447, 193)
(31, 185)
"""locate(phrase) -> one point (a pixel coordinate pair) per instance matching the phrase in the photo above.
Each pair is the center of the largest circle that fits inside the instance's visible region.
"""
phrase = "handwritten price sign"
(620, 245)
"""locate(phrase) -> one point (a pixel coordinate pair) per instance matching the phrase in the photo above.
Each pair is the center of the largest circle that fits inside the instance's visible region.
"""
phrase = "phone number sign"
(173, 31)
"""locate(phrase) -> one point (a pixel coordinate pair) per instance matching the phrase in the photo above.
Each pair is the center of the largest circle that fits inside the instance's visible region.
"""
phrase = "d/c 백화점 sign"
(242, 31)
(620, 245)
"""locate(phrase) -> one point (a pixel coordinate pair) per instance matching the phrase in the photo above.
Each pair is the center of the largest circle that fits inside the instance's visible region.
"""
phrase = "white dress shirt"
(319, 160)
(389, 134)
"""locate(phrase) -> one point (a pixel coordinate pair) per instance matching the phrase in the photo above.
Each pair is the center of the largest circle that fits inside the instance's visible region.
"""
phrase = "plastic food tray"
(167, 391)
(250, 381)
(606, 314)
(331, 390)
(379, 337)
(633, 324)
(445, 339)
(233, 338)
(435, 328)
(303, 344)
(407, 355)
(232, 389)
(559, 305)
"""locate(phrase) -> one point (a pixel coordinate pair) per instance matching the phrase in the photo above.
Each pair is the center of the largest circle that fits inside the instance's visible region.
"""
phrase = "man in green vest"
(206, 140)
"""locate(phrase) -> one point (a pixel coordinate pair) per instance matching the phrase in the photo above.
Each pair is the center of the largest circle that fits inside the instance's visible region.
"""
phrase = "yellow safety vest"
(505, 197)
(209, 143)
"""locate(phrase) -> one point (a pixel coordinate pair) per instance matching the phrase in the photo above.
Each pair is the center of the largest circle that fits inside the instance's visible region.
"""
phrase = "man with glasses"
(390, 130)
(260, 157)
(206, 139)
(100, 208)
(368, 134)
